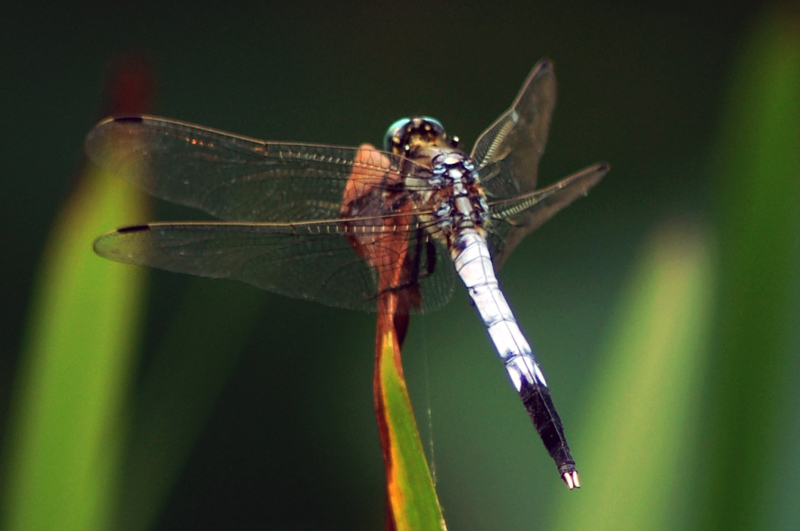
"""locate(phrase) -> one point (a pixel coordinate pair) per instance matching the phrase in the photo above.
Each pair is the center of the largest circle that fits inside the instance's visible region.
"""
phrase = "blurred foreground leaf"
(669, 447)
(643, 404)
(752, 451)
(66, 424)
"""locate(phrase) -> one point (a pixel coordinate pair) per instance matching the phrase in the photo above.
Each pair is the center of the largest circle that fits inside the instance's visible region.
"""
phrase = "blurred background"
(664, 308)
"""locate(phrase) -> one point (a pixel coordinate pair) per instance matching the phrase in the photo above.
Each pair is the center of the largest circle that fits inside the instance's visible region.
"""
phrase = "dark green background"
(291, 442)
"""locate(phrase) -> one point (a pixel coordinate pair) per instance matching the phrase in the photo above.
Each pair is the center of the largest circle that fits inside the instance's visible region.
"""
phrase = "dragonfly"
(332, 223)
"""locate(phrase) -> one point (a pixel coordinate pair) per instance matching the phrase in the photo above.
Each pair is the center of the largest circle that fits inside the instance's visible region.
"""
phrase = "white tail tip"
(572, 480)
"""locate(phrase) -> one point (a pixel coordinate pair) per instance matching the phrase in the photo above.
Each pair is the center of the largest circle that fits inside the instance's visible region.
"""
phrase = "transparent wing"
(513, 219)
(233, 177)
(508, 152)
(313, 261)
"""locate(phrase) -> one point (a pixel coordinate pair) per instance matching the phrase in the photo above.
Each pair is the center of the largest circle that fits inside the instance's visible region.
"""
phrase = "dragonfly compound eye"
(393, 139)
(412, 132)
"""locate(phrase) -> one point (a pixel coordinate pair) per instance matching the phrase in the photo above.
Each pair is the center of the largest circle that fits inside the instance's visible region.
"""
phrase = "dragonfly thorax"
(458, 199)
(453, 194)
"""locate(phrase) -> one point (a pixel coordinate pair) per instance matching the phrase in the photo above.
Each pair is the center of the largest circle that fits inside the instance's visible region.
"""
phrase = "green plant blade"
(412, 503)
(752, 449)
(66, 421)
(639, 425)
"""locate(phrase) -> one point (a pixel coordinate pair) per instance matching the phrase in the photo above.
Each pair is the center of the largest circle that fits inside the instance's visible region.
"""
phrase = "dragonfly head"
(408, 133)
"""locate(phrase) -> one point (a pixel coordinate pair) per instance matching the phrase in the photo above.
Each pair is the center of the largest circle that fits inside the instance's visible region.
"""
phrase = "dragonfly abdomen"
(474, 265)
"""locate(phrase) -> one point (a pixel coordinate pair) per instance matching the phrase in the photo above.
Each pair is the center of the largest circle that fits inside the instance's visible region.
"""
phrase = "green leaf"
(412, 499)
(751, 450)
(640, 422)
(66, 424)
(683, 435)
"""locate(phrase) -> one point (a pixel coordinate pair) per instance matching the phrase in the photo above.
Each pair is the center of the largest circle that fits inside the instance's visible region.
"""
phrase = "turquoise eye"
(402, 128)
(395, 130)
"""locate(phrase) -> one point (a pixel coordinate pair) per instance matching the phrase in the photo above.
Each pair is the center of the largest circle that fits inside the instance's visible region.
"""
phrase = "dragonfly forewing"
(231, 177)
